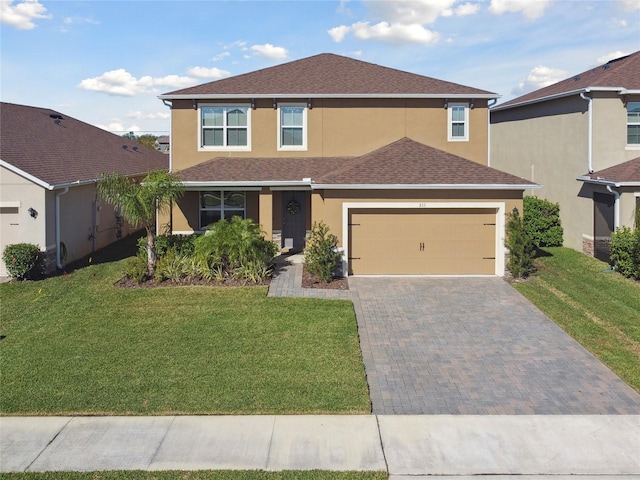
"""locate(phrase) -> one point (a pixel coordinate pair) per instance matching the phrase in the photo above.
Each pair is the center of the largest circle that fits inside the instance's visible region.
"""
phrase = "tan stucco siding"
(334, 199)
(549, 148)
(548, 143)
(345, 127)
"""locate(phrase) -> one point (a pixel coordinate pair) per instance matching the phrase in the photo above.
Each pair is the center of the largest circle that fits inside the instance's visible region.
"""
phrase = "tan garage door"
(422, 242)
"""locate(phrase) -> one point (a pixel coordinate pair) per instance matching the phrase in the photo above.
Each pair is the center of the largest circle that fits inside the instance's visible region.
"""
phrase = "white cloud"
(269, 51)
(612, 56)
(394, 33)
(21, 15)
(221, 56)
(338, 33)
(121, 82)
(531, 9)
(203, 72)
(631, 5)
(138, 115)
(540, 77)
(403, 21)
(67, 22)
(116, 126)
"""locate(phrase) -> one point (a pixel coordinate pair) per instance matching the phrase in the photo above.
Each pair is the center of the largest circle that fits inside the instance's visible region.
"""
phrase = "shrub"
(238, 246)
(23, 261)
(625, 245)
(183, 244)
(321, 254)
(521, 248)
(542, 222)
(173, 266)
(135, 268)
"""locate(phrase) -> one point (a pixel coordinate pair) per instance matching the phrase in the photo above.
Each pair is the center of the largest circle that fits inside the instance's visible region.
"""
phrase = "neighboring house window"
(633, 123)
(458, 122)
(225, 127)
(216, 205)
(292, 126)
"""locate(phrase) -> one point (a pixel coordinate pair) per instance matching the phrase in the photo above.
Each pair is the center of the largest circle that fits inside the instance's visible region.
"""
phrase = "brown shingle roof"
(404, 162)
(627, 172)
(59, 149)
(622, 72)
(328, 74)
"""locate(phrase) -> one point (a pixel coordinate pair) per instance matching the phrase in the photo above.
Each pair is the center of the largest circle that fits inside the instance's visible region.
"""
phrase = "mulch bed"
(227, 282)
(309, 281)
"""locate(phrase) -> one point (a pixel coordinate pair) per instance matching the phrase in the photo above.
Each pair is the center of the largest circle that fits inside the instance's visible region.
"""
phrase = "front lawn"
(599, 308)
(77, 344)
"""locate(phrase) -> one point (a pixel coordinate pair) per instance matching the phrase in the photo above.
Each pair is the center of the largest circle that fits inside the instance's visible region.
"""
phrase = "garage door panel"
(433, 242)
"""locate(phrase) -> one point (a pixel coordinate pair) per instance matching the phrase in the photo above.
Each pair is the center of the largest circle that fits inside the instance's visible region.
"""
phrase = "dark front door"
(294, 224)
(603, 219)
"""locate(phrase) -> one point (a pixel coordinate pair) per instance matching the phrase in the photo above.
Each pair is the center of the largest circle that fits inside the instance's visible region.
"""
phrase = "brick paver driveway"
(474, 346)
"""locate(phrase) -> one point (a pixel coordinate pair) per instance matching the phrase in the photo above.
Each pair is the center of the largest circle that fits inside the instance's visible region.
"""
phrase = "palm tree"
(140, 202)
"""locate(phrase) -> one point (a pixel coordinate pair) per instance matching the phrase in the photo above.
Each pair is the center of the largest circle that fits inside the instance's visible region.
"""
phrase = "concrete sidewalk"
(402, 445)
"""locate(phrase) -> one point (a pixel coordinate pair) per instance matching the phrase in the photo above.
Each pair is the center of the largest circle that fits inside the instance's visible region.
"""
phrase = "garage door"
(422, 242)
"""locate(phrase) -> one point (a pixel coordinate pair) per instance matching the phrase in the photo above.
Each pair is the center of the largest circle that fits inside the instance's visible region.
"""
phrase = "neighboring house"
(49, 163)
(393, 162)
(570, 137)
(162, 144)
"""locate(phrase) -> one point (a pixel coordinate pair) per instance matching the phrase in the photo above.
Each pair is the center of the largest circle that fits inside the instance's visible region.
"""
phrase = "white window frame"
(450, 122)
(302, 147)
(221, 208)
(628, 124)
(224, 148)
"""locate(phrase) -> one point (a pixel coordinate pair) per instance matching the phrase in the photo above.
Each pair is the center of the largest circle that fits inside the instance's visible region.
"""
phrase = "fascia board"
(441, 186)
(28, 176)
(327, 95)
(604, 182)
(257, 185)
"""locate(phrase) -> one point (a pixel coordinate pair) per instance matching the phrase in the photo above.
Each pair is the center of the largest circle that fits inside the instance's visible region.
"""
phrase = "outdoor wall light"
(515, 210)
(33, 212)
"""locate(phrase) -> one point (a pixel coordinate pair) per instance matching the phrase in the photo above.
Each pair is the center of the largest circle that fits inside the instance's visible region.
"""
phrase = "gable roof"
(404, 163)
(328, 75)
(623, 174)
(55, 150)
(621, 74)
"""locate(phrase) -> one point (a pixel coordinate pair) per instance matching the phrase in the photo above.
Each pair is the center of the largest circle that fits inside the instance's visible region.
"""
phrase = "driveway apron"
(474, 346)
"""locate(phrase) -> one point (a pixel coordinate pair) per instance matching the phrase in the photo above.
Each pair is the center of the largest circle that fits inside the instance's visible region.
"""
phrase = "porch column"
(265, 212)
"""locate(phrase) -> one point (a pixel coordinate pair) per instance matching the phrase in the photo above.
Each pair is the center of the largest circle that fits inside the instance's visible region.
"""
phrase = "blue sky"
(105, 62)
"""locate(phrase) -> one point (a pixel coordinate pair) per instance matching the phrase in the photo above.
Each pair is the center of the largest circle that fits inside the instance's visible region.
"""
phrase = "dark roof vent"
(576, 78)
(135, 149)
(125, 147)
(55, 116)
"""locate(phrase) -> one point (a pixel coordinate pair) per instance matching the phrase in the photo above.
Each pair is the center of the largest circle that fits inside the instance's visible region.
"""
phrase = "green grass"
(77, 344)
(597, 307)
(198, 475)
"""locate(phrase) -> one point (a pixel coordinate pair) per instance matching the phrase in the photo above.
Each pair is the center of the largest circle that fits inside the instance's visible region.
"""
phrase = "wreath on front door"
(293, 207)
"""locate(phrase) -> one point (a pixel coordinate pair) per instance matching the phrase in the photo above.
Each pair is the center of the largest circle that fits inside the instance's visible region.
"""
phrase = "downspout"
(170, 105)
(616, 207)
(489, 105)
(590, 131)
(58, 259)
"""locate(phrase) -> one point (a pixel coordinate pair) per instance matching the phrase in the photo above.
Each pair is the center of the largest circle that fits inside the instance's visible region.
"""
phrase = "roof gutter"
(434, 186)
(619, 90)
(236, 96)
(605, 182)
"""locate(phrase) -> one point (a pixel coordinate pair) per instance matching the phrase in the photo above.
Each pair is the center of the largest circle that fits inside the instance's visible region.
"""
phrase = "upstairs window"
(216, 205)
(633, 123)
(292, 126)
(458, 122)
(225, 127)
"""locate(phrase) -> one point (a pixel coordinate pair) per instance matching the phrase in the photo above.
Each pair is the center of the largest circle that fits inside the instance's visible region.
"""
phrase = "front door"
(294, 224)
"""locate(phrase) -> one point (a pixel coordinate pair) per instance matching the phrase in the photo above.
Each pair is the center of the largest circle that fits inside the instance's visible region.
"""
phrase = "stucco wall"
(345, 127)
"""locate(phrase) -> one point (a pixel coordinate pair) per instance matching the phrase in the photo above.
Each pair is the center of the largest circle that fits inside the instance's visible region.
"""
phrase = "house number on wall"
(422, 205)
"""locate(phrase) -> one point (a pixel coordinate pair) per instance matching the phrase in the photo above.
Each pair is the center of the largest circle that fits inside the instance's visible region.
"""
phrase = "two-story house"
(49, 165)
(580, 138)
(393, 162)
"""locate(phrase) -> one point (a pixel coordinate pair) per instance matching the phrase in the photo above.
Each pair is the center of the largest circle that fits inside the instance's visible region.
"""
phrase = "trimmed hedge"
(542, 222)
(24, 261)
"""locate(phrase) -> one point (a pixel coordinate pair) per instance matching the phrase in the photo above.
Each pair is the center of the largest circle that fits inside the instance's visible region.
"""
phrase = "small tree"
(521, 248)
(321, 254)
(139, 202)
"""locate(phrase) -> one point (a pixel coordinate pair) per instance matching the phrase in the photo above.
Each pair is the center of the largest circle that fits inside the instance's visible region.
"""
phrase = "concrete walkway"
(402, 445)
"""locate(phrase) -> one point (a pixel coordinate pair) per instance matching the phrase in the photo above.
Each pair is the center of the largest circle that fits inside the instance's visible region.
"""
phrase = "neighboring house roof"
(55, 150)
(623, 174)
(163, 139)
(404, 163)
(621, 74)
(328, 75)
